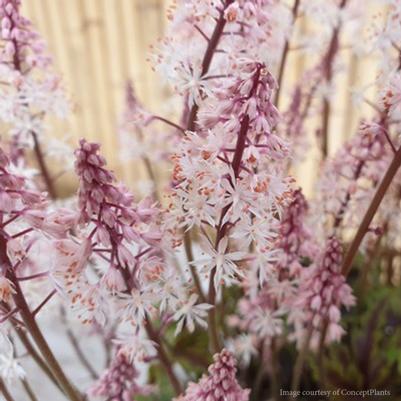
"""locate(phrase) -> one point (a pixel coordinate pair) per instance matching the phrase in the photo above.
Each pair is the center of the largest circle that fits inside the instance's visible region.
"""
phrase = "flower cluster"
(113, 230)
(323, 291)
(220, 384)
(216, 179)
(118, 382)
(250, 28)
(271, 298)
(349, 178)
(30, 90)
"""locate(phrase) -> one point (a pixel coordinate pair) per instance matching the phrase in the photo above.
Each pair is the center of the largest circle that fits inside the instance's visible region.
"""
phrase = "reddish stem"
(77, 348)
(221, 232)
(207, 59)
(285, 57)
(5, 392)
(43, 166)
(162, 355)
(35, 356)
(371, 211)
(168, 122)
(33, 276)
(33, 328)
(44, 302)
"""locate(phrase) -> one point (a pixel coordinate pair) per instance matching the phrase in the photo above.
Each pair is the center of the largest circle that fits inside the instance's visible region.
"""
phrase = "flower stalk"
(371, 211)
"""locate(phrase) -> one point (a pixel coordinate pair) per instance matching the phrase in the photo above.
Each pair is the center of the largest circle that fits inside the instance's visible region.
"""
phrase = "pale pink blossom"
(223, 261)
(190, 313)
(322, 292)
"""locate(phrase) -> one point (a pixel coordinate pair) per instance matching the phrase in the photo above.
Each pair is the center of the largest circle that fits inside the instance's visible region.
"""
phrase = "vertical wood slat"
(86, 99)
(98, 66)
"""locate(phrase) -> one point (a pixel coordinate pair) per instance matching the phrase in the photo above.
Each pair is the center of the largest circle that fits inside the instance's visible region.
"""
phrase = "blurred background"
(97, 45)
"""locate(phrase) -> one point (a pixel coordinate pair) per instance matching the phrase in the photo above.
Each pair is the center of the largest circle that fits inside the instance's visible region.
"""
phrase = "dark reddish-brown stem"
(168, 122)
(372, 259)
(154, 336)
(190, 257)
(33, 276)
(41, 343)
(207, 59)
(44, 302)
(239, 149)
(390, 268)
(77, 348)
(275, 370)
(370, 213)
(320, 353)
(299, 363)
(43, 166)
(193, 112)
(222, 228)
(37, 149)
(337, 223)
(7, 315)
(328, 76)
(152, 176)
(148, 164)
(5, 392)
(259, 375)
(29, 390)
(285, 57)
(361, 163)
(36, 357)
(34, 330)
(162, 355)
(221, 232)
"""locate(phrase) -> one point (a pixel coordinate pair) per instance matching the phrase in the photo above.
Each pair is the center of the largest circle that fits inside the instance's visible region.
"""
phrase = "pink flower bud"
(6, 23)
(6, 34)
(316, 302)
(334, 313)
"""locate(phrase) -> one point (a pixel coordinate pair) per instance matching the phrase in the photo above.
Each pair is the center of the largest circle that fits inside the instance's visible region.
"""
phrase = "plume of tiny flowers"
(296, 239)
(15, 200)
(385, 38)
(253, 29)
(322, 293)
(216, 178)
(315, 91)
(135, 274)
(29, 88)
(119, 381)
(23, 45)
(114, 230)
(134, 119)
(26, 236)
(350, 177)
(219, 385)
(141, 140)
(292, 125)
(268, 300)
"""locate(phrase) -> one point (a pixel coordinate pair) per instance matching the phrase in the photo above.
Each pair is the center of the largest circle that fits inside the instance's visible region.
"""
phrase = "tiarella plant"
(225, 282)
